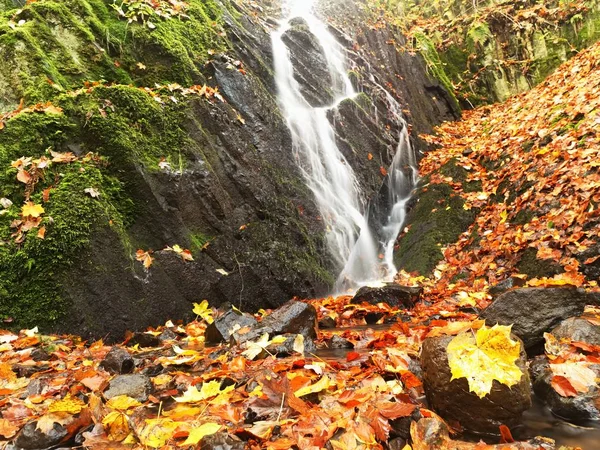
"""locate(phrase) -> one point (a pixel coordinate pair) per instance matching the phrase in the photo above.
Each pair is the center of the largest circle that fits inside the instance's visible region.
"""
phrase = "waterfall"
(361, 257)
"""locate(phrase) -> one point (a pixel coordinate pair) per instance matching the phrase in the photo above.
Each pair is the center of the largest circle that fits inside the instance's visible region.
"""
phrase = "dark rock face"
(30, 438)
(506, 285)
(292, 318)
(224, 326)
(118, 361)
(134, 386)
(310, 65)
(534, 311)
(575, 409)
(393, 294)
(578, 329)
(144, 340)
(453, 401)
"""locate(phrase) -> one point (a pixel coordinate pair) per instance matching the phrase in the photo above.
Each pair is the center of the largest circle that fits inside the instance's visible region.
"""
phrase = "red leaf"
(352, 356)
(505, 435)
(563, 386)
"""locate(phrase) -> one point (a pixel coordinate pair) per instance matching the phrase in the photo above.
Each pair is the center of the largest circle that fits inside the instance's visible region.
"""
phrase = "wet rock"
(574, 409)
(327, 322)
(221, 441)
(287, 348)
(118, 361)
(505, 285)
(393, 294)
(401, 426)
(578, 329)
(453, 401)
(340, 342)
(135, 386)
(167, 335)
(432, 433)
(373, 317)
(311, 70)
(144, 340)
(224, 325)
(534, 311)
(30, 437)
(294, 318)
(396, 444)
(38, 354)
(36, 386)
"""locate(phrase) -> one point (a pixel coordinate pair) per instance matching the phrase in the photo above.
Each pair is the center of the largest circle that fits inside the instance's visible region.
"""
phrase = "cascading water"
(325, 169)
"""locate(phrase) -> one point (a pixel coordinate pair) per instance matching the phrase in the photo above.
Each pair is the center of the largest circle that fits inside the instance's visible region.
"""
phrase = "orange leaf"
(7, 429)
(23, 176)
(563, 386)
(505, 435)
(383, 171)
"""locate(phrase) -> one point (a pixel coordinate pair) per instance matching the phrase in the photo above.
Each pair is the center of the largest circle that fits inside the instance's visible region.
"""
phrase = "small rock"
(221, 441)
(574, 409)
(327, 322)
(31, 438)
(505, 285)
(534, 311)
(287, 348)
(373, 317)
(578, 329)
(37, 354)
(223, 326)
(292, 318)
(167, 335)
(393, 294)
(144, 340)
(134, 386)
(453, 401)
(340, 342)
(117, 361)
(396, 444)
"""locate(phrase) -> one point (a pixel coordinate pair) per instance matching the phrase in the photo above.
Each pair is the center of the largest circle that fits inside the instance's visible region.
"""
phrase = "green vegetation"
(83, 57)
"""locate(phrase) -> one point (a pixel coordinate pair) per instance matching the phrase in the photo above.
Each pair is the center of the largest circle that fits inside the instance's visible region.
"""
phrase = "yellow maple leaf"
(122, 403)
(488, 355)
(203, 310)
(208, 390)
(324, 383)
(196, 434)
(116, 425)
(69, 404)
(156, 432)
(30, 209)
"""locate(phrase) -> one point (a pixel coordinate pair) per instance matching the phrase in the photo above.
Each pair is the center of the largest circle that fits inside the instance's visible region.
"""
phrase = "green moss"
(435, 66)
(530, 265)
(437, 220)
(198, 241)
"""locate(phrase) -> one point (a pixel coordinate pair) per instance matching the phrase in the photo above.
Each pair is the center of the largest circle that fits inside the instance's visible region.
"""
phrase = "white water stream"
(327, 172)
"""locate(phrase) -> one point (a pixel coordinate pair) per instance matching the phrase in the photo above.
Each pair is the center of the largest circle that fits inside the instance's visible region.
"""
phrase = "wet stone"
(453, 401)
(118, 361)
(145, 340)
(134, 386)
(224, 325)
(392, 294)
(287, 348)
(31, 438)
(327, 322)
(578, 329)
(221, 441)
(339, 342)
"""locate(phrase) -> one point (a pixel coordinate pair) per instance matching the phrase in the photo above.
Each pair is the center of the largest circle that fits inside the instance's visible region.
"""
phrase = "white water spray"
(325, 169)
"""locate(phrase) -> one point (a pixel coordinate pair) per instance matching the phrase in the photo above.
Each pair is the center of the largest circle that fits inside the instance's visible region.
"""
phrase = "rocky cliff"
(154, 126)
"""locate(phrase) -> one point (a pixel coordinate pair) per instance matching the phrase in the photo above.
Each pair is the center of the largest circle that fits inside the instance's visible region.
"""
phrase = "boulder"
(311, 70)
(144, 339)
(506, 285)
(221, 441)
(534, 311)
(32, 438)
(292, 318)
(574, 409)
(393, 294)
(224, 325)
(117, 361)
(578, 329)
(134, 386)
(287, 348)
(453, 401)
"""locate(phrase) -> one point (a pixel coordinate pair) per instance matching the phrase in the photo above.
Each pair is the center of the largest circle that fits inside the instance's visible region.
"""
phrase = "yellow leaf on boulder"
(122, 403)
(488, 355)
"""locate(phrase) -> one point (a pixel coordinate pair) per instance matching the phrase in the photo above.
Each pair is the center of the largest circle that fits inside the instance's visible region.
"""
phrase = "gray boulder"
(393, 294)
(578, 329)
(534, 311)
(453, 401)
(134, 386)
(224, 326)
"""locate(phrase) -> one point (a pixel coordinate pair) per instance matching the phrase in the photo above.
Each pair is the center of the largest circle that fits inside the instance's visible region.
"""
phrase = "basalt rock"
(393, 294)
(32, 438)
(452, 399)
(578, 329)
(578, 408)
(221, 441)
(534, 311)
(292, 318)
(310, 64)
(226, 324)
(135, 386)
(118, 361)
